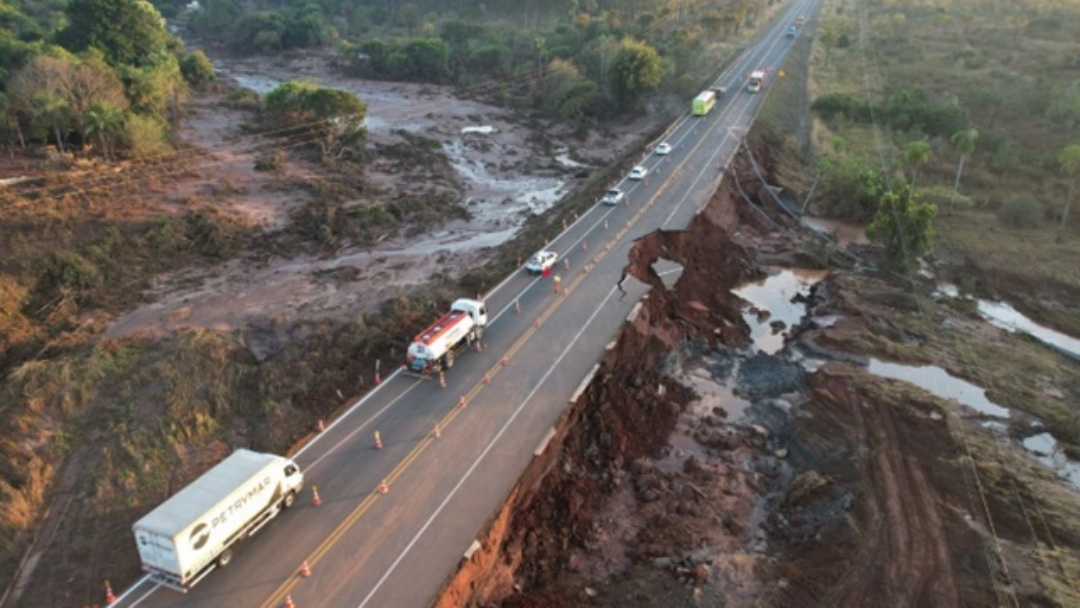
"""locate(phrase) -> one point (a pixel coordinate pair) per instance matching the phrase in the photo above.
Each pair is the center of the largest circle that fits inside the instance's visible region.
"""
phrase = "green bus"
(704, 103)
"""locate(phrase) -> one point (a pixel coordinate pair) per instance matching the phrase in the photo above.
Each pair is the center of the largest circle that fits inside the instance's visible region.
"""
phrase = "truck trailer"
(435, 348)
(195, 531)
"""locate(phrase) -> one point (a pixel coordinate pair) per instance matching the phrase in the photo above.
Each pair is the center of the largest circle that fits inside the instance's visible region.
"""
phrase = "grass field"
(1012, 71)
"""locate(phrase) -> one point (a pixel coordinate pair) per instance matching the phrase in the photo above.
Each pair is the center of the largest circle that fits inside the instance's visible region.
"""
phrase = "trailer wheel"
(449, 359)
(225, 558)
(289, 499)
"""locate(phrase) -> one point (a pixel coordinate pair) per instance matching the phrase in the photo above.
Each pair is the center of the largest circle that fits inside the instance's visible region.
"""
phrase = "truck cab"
(757, 80)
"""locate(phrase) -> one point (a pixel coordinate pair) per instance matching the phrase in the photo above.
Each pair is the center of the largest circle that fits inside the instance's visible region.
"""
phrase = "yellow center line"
(278, 596)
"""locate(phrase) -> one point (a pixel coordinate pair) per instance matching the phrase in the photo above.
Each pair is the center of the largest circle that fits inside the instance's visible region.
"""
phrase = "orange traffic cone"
(537, 323)
(505, 360)
(383, 488)
(315, 498)
(110, 598)
(584, 247)
(378, 378)
(487, 378)
(566, 263)
(461, 402)
(442, 380)
(288, 602)
(378, 441)
(319, 426)
(305, 570)
(605, 224)
(438, 433)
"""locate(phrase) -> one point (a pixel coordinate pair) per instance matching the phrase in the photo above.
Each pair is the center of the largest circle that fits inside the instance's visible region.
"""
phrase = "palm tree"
(1069, 159)
(964, 142)
(103, 122)
(917, 154)
(53, 113)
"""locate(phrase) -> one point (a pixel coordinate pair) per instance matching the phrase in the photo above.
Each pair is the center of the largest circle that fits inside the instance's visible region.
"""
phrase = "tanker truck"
(195, 531)
(434, 349)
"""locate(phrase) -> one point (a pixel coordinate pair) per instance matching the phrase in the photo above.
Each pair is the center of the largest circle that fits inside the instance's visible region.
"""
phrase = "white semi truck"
(190, 534)
(435, 348)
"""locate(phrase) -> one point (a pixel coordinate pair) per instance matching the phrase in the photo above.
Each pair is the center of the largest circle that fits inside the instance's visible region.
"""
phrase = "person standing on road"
(557, 283)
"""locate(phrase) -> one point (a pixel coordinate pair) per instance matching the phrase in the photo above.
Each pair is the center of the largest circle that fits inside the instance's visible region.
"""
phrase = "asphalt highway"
(451, 455)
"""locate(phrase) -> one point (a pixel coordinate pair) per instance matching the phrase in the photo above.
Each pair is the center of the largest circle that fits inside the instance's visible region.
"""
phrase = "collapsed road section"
(697, 469)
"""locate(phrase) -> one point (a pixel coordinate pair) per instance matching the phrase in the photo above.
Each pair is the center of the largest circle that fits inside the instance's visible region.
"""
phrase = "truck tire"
(225, 558)
(449, 359)
(288, 501)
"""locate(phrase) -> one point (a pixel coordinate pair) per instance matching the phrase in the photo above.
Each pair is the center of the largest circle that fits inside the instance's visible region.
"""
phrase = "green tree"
(155, 88)
(333, 116)
(104, 123)
(964, 142)
(197, 70)
(1069, 161)
(307, 31)
(410, 17)
(565, 92)
(126, 31)
(427, 59)
(917, 154)
(903, 227)
(259, 33)
(458, 34)
(635, 72)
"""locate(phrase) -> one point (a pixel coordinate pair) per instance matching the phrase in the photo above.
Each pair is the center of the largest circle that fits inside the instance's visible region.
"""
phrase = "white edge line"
(349, 411)
(495, 289)
(362, 426)
(132, 589)
(482, 455)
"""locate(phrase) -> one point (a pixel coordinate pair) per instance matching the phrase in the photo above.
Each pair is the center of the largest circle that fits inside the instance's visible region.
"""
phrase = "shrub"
(830, 105)
(197, 69)
(1021, 212)
(146, 136)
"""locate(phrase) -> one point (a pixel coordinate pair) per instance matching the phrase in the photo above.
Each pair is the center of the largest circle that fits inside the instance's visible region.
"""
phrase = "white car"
(540, 262)
(638, 172)
(613, 197)
(663, 149)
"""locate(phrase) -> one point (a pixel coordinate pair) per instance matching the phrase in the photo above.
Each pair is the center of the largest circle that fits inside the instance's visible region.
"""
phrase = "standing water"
(774, 294)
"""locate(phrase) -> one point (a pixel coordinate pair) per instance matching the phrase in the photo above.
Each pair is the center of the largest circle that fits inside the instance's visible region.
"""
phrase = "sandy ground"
(509, 170)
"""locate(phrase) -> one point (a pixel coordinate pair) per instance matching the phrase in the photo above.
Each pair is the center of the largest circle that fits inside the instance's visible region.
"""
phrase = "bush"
(197, 69)
(828, 106)
(146, 136)
(244, 99)
(1021, 212)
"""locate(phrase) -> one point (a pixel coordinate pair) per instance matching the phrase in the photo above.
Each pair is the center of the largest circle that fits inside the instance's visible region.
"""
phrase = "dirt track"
(897, 550)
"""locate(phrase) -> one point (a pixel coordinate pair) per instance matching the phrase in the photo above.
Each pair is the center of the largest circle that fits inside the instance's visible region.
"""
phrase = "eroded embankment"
(831, 488)
(612, 435)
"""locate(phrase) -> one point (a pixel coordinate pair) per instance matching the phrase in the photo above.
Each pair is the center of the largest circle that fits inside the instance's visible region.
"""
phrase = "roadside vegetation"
(93, 94)
(950, 130)
(972, 109)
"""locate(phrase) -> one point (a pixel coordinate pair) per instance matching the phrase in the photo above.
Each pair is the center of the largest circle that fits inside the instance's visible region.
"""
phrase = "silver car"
(540, 262)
